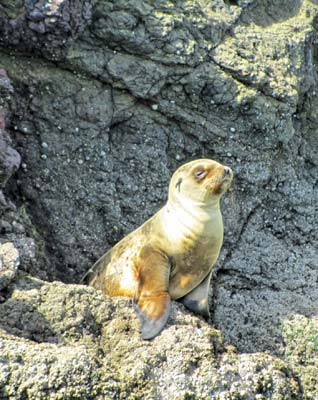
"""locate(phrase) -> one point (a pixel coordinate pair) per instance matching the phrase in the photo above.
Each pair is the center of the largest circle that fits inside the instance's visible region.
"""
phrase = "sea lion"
(172, 254)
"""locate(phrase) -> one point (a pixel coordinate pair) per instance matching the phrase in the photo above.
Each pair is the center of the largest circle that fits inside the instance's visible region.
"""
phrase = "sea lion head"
(200, 181)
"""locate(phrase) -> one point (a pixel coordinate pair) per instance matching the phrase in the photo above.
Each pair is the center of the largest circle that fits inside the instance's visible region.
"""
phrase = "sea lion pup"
(171, 255)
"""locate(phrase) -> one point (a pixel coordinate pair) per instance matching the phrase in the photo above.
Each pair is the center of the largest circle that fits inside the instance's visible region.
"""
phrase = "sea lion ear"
(178, 184)
(151, 300)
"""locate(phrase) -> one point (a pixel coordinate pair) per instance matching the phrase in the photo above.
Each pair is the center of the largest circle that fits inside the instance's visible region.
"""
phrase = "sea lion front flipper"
(197, 299)
(152, 300)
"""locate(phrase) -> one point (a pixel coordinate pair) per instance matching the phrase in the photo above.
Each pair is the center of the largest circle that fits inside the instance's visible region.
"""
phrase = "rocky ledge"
(64, 341)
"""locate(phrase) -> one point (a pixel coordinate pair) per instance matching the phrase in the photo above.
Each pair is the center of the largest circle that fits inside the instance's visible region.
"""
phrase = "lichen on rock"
(9, 261)
(301, 350)
(69, 341)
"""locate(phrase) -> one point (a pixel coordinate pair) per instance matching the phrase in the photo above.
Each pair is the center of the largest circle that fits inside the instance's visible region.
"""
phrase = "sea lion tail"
(87, 278)
(94, 274)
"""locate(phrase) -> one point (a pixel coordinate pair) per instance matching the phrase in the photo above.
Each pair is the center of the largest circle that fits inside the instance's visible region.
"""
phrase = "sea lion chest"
(194, 238)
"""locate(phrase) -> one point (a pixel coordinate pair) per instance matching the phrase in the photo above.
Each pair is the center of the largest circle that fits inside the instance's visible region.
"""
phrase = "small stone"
(154, 107)
(43, 156)
(44, 145)
(232, 129)
(80, 162)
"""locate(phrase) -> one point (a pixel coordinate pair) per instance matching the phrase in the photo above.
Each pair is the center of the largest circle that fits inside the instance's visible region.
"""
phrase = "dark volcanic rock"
(9, 160)
(42, 27)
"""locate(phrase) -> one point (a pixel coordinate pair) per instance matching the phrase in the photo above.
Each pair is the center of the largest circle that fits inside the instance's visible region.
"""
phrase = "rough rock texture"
(301, 351)
(9, 262)
(104, 99)
(74, 344)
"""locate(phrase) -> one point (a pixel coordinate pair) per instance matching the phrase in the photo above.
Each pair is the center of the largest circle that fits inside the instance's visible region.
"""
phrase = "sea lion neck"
(204, 205)
(189, 216)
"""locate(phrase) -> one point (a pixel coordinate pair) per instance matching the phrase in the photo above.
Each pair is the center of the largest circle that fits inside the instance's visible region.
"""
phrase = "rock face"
(103, 100)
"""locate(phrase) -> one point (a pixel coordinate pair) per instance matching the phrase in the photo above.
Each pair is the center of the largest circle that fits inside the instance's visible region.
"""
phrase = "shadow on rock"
(52, 313)
(266, 13)
(19, 315)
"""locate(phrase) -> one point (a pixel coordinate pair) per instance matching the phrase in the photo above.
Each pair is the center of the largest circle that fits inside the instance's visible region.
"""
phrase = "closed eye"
(200, 174)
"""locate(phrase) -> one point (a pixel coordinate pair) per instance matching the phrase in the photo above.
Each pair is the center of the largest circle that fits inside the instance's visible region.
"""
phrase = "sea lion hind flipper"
(93, 276)
(152, 300)
(197, 300)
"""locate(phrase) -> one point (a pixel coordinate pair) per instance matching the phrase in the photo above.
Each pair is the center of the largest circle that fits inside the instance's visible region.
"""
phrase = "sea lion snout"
(220, 180)
(227, 174)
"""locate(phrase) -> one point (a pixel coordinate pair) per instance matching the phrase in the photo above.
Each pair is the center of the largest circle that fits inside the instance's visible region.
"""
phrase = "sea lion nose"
(227, 171)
